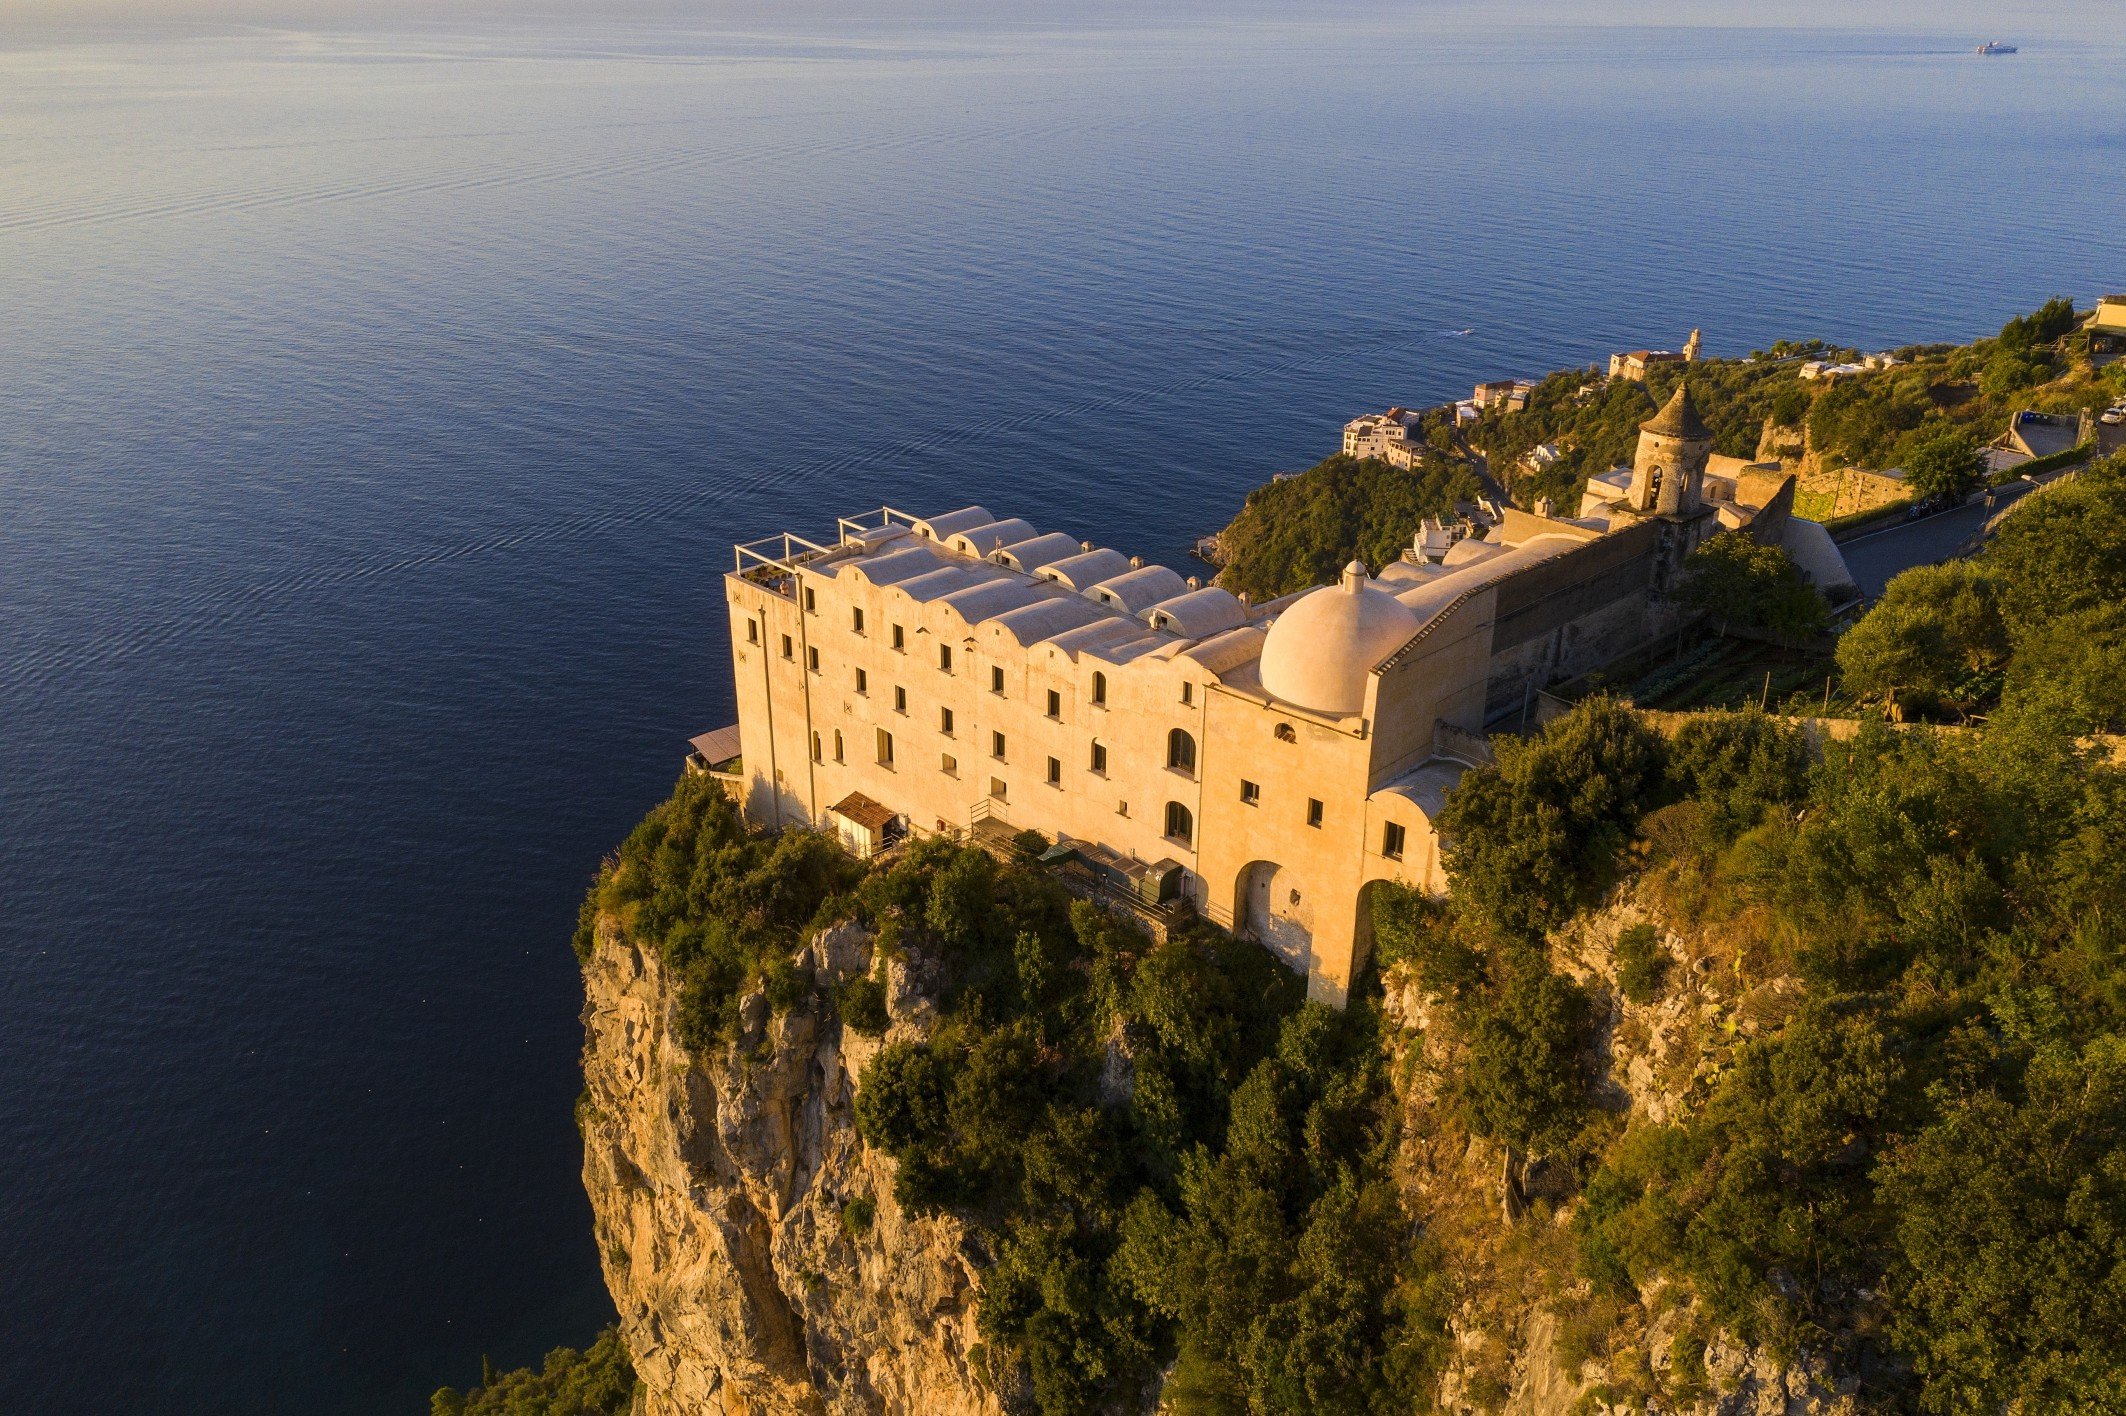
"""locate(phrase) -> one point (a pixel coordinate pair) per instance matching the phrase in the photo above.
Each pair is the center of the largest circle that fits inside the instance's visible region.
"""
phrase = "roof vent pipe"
(1194, 583)
(1136, 562)
(1085, 545)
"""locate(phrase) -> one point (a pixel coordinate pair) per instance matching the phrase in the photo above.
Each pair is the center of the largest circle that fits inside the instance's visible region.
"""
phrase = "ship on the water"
(1994, 46)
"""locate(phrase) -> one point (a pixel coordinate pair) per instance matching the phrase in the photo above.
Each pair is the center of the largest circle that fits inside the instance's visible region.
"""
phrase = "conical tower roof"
(1679, 419)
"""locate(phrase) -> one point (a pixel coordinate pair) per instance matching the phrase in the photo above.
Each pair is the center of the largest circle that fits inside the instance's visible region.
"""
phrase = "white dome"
(1320, 650)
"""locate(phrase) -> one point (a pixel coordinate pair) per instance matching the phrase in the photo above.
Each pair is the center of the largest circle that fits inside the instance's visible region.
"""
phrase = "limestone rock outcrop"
(762, 1268)
(720, 1185)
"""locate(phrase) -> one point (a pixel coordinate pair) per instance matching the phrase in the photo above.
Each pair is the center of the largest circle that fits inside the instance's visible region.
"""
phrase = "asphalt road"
(1877, 557)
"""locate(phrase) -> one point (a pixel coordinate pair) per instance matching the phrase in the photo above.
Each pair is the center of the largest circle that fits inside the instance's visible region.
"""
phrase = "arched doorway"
(1271, 909)
(1362, 934)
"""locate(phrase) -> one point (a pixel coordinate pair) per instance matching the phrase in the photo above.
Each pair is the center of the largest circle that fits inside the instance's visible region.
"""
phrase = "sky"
(2063, 18)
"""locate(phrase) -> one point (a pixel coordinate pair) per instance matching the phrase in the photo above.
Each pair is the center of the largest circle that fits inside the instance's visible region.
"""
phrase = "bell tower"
(1668, 471)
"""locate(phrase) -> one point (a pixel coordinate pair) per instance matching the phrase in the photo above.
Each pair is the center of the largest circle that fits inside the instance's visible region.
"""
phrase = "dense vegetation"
(1922, 1164)
(1250, 1139)
(595, 1382)
(1231, 1202)
(724, 906)
(1304, 530)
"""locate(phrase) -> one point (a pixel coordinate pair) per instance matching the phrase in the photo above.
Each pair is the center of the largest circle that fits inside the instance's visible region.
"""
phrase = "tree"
(1525, 1080)
(1934, 626)
(1529, 839)
(2009, 1282)
(1303, 530)
(1741, 582)
(2064, 549)
(2073, 666)
(598, 1381)
(2048, 322)
(1737, 766)
(1945, 464)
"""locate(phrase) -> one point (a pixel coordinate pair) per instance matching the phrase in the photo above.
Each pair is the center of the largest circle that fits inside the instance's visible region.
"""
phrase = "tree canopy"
(1302, 531)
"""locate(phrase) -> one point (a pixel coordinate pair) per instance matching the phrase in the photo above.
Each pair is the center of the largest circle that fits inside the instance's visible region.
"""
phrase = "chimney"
(1194, 583)
(1136, 562)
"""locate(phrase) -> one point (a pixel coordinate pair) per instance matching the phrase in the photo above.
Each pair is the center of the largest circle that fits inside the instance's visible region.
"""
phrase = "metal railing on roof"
(878, 519)
(772, 561)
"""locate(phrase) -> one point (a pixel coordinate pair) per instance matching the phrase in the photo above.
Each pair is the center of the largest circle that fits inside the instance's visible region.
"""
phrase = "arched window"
(1180, 826)
(1653, 488)
(1181, 751)
(1099, 689)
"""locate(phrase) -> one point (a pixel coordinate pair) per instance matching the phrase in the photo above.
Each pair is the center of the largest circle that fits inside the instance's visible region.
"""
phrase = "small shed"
(864, 826)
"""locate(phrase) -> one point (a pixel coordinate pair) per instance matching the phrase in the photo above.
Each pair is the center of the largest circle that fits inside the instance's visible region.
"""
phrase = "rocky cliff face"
(723, 1186)
(729, 1193)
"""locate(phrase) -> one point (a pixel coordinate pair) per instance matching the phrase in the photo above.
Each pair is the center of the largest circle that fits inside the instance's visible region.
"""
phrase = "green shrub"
(1642, 964)
(857, 1216)
(861, 1001)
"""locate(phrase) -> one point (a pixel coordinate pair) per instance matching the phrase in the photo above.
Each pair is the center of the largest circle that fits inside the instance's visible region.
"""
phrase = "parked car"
(2113, 416)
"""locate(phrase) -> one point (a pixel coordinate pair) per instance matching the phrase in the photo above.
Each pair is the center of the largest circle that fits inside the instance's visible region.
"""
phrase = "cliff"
(752, 1245)
(727, 1192)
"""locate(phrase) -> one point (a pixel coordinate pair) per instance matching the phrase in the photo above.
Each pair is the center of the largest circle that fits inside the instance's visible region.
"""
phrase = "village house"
(1394, 437)
(2106, 329)
(1507, 395)
(1634, 364)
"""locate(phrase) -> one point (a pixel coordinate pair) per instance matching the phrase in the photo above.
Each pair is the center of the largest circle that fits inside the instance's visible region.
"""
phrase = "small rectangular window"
(1055, 704)
(900, 699)
(1188, 693)
(752, 631)
(996, 787)
(863, 682)
(1313, 811)
(945, 657)
(899, 641)
(1121, 808)
(817, 753)
(1055, 771)
(1250, 794)
(856, 618)
(811, 605)
(1391, 841)
(789, 649)
(949, 765)
(945, 721)
(812, 657)
(996, 678)
(1099, 690)
(996, 746)
(885, 748)
(1099, 763)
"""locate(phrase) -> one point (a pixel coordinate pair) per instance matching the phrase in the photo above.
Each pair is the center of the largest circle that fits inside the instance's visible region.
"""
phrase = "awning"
(718, 747)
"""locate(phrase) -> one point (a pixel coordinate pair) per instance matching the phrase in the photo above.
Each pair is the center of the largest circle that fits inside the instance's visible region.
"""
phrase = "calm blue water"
(379, 409)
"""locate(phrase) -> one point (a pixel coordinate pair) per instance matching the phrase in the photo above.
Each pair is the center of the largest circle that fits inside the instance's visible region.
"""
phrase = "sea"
(380, 402)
